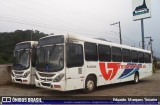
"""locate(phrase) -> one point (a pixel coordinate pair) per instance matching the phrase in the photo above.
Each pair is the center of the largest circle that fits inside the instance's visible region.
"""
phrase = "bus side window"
(116, 54)
(134, 56)
(74, 55)
(147, 58)
(141, 57)
(33, 56)
(104, 53)
(90, 51)
(126, 55)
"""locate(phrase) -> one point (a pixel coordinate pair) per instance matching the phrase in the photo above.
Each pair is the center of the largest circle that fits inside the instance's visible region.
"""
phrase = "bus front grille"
(19, 80)
(46, 84)
(46, 75)
(17, 72)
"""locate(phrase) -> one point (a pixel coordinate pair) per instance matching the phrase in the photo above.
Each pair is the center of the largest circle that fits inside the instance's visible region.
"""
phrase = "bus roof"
(98, 41)
(32, 42)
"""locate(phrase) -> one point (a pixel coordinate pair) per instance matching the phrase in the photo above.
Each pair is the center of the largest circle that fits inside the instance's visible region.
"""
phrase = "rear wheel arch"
(94, 76)
(90, 83)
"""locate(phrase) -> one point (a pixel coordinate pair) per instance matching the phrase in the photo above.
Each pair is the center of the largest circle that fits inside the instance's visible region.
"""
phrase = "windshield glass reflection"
(50, 58)
(21, 59)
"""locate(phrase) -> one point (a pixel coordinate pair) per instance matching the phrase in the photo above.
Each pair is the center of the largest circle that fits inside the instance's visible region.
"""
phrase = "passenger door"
(74, 63)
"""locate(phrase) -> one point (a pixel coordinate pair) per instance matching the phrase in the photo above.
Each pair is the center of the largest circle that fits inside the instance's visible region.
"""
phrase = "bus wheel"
(136, 78)
(90, 84)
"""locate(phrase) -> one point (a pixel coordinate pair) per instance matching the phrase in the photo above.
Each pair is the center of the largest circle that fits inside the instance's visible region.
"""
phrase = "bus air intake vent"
(46, 75)
(17, 72)
(19, 80)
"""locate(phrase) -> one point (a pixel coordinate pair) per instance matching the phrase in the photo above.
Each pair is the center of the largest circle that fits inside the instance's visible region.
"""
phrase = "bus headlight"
(26, 74)
(58, 78)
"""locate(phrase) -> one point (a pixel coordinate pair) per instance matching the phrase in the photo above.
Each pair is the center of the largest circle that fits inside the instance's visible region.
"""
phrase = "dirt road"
(146, 87)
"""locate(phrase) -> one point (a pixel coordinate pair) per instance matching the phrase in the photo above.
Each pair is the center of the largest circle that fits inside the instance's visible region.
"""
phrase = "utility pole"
(150, 43)
(31, 34)
(119, 30)
(142, 29)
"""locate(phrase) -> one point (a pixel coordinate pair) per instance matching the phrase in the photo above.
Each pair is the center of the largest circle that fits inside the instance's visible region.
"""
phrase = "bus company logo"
(130, 69)
(44, 79)
(132, 66)
(111, 71)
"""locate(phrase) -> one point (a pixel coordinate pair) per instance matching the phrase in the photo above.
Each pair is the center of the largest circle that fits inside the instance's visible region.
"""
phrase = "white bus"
(24, 59)
(69, 62)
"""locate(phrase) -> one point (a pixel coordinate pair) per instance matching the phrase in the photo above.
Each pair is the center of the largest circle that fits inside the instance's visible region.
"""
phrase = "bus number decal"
(111, 72)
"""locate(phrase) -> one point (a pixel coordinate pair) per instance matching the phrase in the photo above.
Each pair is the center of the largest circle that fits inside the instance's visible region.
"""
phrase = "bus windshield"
(21, 59)
(50, 58)
(50, 54)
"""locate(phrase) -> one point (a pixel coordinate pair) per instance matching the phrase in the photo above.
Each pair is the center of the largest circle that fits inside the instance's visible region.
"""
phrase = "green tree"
(8, 40)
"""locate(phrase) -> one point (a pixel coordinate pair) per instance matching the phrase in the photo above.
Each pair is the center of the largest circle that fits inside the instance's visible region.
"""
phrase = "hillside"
(8, 40)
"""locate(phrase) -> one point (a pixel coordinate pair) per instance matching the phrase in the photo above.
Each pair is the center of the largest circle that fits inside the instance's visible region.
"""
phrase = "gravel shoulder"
(146, 87)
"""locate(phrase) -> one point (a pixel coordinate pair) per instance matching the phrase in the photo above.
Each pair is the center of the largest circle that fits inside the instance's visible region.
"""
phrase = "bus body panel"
(74, 78)
(105, 72)
(18, 75)
(45, 80)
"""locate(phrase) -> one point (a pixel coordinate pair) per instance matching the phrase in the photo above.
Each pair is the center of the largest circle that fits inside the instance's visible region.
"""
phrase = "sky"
(90, 18)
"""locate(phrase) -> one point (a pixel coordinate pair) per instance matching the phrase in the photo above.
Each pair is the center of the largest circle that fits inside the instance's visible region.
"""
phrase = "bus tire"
(90, 84)
(136, 78)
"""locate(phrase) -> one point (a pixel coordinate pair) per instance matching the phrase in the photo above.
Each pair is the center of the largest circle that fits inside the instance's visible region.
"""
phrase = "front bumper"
(21, 80)
(60, 86)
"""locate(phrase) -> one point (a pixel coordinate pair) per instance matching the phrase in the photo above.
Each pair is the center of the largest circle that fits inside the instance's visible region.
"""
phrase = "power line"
(8, 19)
(42, 25)
(29, 21)
(45, 25)
(126, 39)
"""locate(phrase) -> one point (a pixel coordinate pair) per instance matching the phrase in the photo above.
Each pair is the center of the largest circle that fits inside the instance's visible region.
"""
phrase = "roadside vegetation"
(8, 40)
